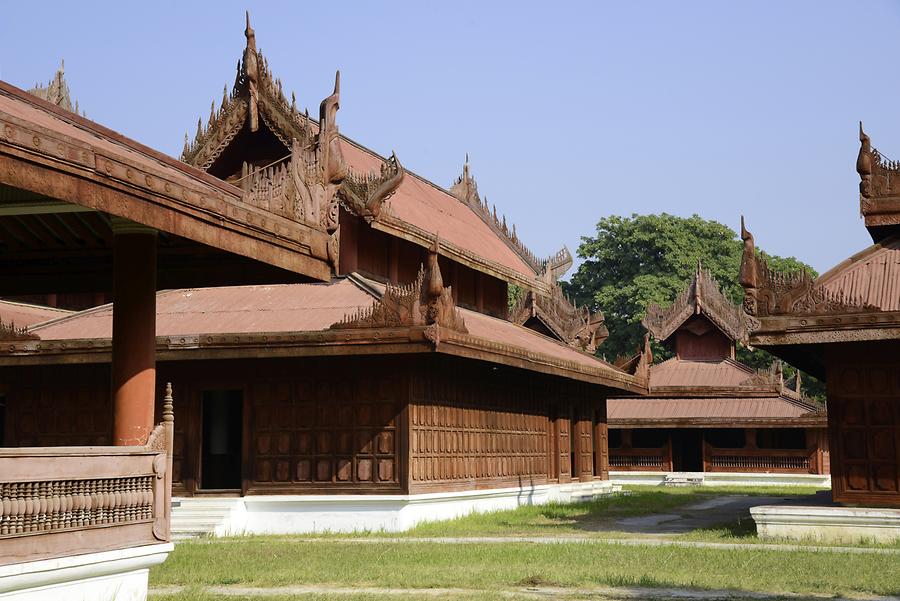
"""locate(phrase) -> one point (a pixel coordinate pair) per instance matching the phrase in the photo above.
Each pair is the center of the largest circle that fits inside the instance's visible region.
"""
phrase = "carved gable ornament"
(465, 190)
(313, 181)
(10, 332)
(771, 293)
(576, 326)
(703, 296)
(424, 302)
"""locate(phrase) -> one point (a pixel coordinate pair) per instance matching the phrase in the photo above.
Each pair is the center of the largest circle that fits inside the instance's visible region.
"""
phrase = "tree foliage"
(634, 261)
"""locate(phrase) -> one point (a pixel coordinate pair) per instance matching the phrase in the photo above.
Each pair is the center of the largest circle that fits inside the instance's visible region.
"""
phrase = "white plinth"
(303, 514)
(724, 478)
(108, 576)
(827, 524)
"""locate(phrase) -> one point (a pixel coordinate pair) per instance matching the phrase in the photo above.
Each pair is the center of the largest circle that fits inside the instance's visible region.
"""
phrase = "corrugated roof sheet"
(872, 276)
(644, 408)
(285, 308)
(434, 210)
(24, 314)
(678, 372)
(227, 310)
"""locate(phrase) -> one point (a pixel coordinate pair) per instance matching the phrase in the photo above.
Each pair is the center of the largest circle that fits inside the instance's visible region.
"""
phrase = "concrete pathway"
(709, 513)
(599, 593)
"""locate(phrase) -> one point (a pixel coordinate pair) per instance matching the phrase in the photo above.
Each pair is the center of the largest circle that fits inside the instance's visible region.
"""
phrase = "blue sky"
(569, 111)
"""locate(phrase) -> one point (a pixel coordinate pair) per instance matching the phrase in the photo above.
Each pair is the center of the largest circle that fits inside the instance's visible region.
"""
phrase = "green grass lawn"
(585, 518)
(265, 561)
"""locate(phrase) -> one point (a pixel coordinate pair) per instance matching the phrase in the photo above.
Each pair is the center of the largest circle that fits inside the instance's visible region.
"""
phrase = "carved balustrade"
(59, 501)
(650, 460)
(795, 461)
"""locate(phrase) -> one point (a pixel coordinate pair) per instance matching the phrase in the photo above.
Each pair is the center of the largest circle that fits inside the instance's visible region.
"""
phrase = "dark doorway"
(220, 467)
(687, 450)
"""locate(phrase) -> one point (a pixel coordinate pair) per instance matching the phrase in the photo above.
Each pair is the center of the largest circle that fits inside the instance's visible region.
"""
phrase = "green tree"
(634, 261)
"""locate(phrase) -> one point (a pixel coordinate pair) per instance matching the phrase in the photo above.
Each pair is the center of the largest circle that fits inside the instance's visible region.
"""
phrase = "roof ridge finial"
(435, 279)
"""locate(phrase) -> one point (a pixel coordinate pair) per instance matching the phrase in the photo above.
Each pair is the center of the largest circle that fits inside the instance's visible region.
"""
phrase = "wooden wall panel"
(66, 405)
(476, 426)
(864, 422)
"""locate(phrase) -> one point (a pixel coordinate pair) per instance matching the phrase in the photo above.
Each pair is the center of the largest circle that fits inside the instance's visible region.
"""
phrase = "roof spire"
(250, 71)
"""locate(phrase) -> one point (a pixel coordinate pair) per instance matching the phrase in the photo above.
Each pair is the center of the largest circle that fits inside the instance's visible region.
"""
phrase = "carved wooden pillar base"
(134, 332)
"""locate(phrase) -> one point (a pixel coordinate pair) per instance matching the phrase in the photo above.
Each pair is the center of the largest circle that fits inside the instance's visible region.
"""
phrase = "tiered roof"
(56, 91)
(387, 196)
(702, 297)
(715, 390)
(350, 315)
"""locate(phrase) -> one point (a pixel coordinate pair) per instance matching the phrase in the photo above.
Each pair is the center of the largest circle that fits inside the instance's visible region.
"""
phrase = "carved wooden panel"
(564, 430)
(864, 424)
(584, 443)
(59, 406)
(471, 427)
(320, 430)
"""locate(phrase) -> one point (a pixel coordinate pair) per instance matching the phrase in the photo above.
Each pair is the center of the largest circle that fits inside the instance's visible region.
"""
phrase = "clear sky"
(569, 111)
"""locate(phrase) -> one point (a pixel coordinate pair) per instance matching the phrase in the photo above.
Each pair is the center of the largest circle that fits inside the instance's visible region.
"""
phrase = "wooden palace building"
(844, 327)
(352, 366)
(706, 411)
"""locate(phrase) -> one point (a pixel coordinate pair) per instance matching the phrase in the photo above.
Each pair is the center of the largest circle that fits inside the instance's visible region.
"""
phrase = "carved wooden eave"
(702, 297)
(10, 332)
(465, 189)
(576, 326)
(313, 181)
(879, 187)
(55, 153)
(769, 293)
(425, 302)
(56, 91)
(639, 364)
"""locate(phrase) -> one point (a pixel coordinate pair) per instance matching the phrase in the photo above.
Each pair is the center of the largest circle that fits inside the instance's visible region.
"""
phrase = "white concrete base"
(301, 514)
(723, 478)
(827, 524)
(108, 576)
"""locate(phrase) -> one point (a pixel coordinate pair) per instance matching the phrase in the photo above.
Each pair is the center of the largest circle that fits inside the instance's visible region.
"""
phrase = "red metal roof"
(24, 314)
(871, 276)
(678, 372)
(643, 408)
(227, 309)
(286, 308)
(436, 211)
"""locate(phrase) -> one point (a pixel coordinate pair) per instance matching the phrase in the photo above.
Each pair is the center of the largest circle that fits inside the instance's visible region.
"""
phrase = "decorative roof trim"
(56, 91)
(424, 302)
(771, 293)
(879, 185)
(703, 296)
(576, 326)
(465, 190)
(311, 182)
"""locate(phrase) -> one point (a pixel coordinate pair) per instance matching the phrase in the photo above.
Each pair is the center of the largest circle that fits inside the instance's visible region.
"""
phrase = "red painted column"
(134, 332)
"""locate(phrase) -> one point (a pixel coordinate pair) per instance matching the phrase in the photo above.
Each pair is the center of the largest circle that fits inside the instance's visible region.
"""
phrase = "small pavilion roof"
(721, 411)
(701, 297)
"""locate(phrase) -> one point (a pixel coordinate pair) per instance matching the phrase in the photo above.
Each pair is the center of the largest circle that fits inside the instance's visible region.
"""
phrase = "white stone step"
(192, 517)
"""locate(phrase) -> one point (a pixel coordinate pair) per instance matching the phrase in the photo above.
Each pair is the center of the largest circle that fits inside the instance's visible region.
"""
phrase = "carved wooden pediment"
(576, 326)
(423, 302)
(639, 364)
(702, 297)
(465, 189)
(56, 91)
(313, 180)
(771, 293)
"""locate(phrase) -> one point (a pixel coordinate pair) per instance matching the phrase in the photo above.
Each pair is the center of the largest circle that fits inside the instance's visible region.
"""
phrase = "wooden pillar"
(670, 463)
(134, 332)
(601, 445)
